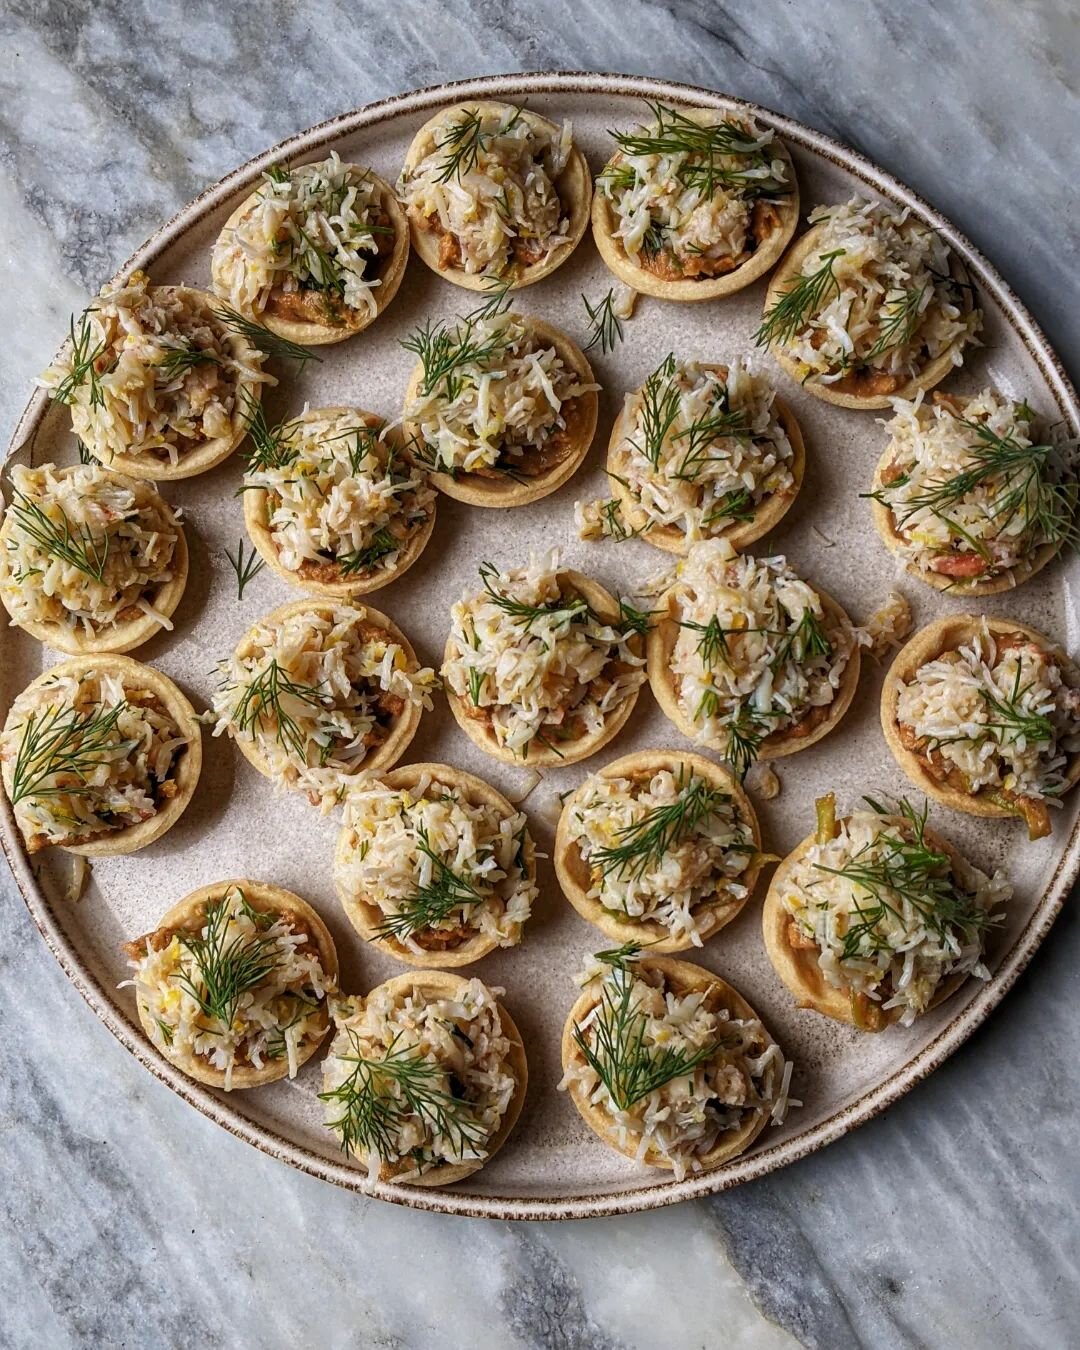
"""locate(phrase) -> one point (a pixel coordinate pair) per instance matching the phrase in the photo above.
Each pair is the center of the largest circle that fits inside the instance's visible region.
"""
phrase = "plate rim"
(663, 1192)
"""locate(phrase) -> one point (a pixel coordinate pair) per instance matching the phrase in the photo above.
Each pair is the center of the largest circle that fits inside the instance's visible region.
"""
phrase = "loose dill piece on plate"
(270, 344)
(444, 893)
(269, 447)
(800, 302)
(245, 568)
(84, 358)
(68, 744)
(226, 968)
(382, 544)
(261, 704)
(497, 302)
(605, 326)
(646, 843)
(78, 548)
(567, 611)
(659, 407)
(902, 318)
(445, 350)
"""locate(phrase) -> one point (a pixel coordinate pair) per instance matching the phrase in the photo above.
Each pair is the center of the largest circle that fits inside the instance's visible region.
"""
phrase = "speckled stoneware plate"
(552, 1167)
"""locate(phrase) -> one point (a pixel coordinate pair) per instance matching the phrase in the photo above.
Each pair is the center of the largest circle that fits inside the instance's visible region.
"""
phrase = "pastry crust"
(366, 917)
(390, 273)
(788, 741)
(927, 645)
(573, 871)
(500, 489)
(682, 977)
(133, 674)
(120, 637)
(690, 288)
(360, 583)
(604, 604)
(574, 186)
(189, 914)
(930, 375)
(767, 515)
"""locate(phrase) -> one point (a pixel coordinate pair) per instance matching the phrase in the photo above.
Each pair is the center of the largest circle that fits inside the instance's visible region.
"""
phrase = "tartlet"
(494, 192)
(434, 867)
(869, 305)
(901, 913)
(694, 205)
(968, 683)
(724, 640)
(463, 1059)
(499, 442)
(667, 875)
(158, 384)
(967, 498)
(232, 985)
(638, 1022)
(282, 696)
(333, 507)
(95, 741)
(564, 626)
(295, 254)
(90, 560)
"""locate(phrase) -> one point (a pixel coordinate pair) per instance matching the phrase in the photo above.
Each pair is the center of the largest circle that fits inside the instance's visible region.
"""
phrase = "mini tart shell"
(768, 513)
(366, 917)
(189, 914)
(119, 637)
(574, 186)
(205, 454)
(573, 871)
(436, 984)
(401, 733)
(798, 967)
(660, 644)
(256, 516)
(187, 767)
(930, 375)
(605, 223)
(682, 978)
(502, 490)
(927, 645)
(603, 603)
(390, 273)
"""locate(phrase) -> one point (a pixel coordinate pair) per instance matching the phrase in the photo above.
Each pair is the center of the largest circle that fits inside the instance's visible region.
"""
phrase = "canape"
(100, 756)
(501, 408)
(700, 452)
(983, 715)
(749, 659)
(232, 985)
(869, 305)
(876, 919)
(90, 560)
(969, 497)
(694, 204)
(315, 253)
(331, 503)
(424, 1079)
(668, 1064)
(434, 866)
(318, 691)
(661, 848)
(159, 386)
(542, 666)
(494, 192)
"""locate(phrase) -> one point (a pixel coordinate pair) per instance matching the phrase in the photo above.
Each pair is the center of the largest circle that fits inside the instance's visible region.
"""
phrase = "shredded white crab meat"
(723, 453)
(699, 871)
(886, 947)
(510, 394)
(344, 499)
(892, 306)
(317, 230)
(998, 710)
(88, 755)
(393, 838)
(499, 209)
(552, 673)
(277, 1018)
(688, 1116)
(87, 549)
(315, 693)
(144, 398)
(461, 1038)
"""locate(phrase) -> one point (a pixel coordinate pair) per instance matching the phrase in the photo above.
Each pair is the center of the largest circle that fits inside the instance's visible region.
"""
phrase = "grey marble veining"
(131, 1220)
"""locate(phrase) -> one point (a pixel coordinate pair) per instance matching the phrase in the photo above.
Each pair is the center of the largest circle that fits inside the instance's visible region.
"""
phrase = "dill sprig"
(245, 568)
(445, 350)
(658, 409)
(701, 436)
(799, 303)
(498, 299)
(431, 904)
(647, 842)
(746, 732)
(85, 355)
(633, 620)
(261, 703)
(83, 451)
(712, 646)
(566, 611)
(270, 447)
(737, 505)
(65, 743)
(363, 559)
(180, 359)
(226, 968)
(804, 642)
(605, 326)
(1016, 724)
(902, 318)
(461, 143)
(270, 344)
(78, 548)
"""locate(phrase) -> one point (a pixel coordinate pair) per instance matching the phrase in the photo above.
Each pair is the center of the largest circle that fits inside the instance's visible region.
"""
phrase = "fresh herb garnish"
(646, 843)
(659, 407)
(261, 703)
(245, 568)
(76, 547)
(431, 904)
(179, 360)
(903, 314)
(445, 351)
(65, 743)
(566, 611)
(799, 303)
(226, 968)
(85, 355)
(270, 344)
(363, 559)
(605, 326)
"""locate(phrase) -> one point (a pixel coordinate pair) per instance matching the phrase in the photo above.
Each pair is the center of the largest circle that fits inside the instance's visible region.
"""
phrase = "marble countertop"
(951, 1219)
